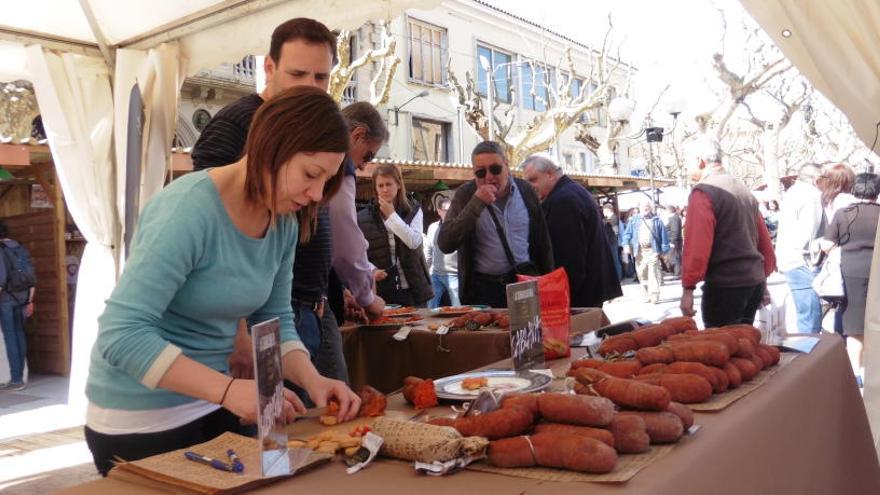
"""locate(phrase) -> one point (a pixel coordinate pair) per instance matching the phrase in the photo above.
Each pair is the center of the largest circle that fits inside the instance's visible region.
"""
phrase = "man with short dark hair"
(577, 232)
(497, 227)
(301, 53)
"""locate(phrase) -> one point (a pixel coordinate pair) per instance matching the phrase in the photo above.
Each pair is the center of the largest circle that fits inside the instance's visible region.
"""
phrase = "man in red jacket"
(727, 245)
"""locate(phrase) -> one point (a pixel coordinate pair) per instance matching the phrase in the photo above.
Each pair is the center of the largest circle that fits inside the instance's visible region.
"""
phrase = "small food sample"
(420, 393)
(395, 320)
(475, 382)
(476, 320)
(373, 402)
(330, 442)
(454, 309)
(405, 310)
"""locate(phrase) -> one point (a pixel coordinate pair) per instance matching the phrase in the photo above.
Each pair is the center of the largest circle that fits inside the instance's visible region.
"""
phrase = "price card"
(526, 341)
(270, 386)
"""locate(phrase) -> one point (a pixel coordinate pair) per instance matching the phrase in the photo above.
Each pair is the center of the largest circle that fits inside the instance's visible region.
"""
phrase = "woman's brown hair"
(836, 179)
(301, 119)
(391, 170)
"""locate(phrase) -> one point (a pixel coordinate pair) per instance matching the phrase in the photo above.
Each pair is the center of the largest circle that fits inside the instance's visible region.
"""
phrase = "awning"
(209, 32)
(834, 44)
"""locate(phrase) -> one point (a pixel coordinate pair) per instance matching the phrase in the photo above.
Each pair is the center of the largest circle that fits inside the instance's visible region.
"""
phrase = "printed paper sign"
(270, 389)
(526, 341)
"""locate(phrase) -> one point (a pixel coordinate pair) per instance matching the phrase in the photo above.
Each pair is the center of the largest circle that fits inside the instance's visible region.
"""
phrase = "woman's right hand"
(242, 400)
(379, 275)
(386, 208)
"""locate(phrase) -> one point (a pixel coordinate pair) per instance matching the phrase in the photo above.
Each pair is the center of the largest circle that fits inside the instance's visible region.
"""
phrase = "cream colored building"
(429, 127)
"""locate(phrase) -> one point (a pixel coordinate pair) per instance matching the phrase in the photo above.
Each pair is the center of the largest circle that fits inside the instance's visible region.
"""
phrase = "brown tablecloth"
(375, 358)
(804, 432)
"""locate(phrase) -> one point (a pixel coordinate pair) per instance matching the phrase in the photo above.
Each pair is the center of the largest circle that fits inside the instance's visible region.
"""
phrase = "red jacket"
(700, 235)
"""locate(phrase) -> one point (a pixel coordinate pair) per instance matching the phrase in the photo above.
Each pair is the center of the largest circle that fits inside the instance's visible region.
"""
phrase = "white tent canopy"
(209, 32)
(836, 45)
(107, 75)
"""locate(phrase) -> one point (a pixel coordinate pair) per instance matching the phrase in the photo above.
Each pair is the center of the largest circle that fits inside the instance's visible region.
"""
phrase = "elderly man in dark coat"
(576, 233)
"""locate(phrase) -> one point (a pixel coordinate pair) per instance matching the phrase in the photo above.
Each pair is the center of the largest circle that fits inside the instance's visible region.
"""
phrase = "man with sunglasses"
(498, 228)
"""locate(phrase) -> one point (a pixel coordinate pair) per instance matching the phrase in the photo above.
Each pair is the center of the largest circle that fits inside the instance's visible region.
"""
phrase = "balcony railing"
(243, 72)
(349, 94)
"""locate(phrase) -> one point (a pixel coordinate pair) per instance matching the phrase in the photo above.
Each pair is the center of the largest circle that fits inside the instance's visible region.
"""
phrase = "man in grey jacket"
(497, 226)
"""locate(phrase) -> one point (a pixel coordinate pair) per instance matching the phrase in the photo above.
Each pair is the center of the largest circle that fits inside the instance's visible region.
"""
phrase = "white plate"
(499, 381)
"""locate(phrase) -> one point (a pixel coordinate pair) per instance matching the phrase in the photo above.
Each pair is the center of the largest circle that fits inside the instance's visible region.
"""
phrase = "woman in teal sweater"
(212, 248)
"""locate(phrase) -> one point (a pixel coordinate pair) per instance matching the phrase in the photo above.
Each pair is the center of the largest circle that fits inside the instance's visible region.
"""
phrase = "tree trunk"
(771, 162)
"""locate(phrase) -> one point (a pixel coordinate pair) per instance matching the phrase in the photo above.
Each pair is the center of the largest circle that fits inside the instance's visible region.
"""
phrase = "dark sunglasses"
(369, 157)
(495, 169)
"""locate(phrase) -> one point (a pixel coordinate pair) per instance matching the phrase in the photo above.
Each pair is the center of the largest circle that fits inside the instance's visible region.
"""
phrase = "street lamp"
(423, 94)
(621, 109)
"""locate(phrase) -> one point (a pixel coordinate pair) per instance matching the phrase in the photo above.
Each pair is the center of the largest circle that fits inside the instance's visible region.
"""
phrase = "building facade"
(522, 56)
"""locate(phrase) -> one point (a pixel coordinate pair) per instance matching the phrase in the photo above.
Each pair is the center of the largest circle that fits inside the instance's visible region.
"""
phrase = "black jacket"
(580, 244)
(458, 230)
(412, 261)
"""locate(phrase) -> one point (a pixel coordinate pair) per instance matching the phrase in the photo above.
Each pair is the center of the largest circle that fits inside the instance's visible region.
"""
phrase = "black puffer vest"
(412, 261)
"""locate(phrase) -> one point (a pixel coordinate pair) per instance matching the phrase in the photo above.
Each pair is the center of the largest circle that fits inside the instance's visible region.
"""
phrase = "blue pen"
(214, 463)
(237, 465)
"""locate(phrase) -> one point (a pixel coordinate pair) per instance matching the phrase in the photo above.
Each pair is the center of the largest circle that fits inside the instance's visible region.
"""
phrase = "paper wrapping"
(411, 441)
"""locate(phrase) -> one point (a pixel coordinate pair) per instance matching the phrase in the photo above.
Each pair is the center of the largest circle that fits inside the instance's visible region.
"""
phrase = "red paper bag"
(555, 312)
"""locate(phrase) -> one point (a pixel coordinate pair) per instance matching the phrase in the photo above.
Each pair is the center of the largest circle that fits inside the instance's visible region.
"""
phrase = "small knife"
(315, 412)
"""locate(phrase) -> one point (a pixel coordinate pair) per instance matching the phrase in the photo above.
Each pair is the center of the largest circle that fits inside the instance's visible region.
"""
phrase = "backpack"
(20, 274)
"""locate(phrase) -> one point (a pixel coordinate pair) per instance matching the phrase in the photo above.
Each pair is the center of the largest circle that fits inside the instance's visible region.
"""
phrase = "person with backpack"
(17, 287)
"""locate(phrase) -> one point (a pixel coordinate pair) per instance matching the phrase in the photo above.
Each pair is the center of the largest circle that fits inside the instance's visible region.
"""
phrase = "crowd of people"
(267, 227)
(829, 217)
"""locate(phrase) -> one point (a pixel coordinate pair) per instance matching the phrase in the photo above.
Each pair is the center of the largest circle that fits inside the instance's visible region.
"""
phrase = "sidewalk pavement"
(633, 304)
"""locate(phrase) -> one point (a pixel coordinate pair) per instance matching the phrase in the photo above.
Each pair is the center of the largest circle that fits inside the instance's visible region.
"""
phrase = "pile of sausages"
(689, 365)
(476, 320)
(575, 432)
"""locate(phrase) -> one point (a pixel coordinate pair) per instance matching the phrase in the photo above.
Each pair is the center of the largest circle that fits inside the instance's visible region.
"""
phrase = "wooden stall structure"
(39, 223)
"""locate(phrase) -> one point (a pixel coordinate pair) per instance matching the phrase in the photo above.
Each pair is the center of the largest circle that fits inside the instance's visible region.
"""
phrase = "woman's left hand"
(386, 208)
(323, 389)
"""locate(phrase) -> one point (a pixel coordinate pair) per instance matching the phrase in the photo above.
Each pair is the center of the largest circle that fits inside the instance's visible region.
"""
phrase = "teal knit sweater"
(190, 277)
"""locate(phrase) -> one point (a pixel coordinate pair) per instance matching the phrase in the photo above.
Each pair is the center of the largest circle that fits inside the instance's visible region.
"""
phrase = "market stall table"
(804, 432)
(375, 358)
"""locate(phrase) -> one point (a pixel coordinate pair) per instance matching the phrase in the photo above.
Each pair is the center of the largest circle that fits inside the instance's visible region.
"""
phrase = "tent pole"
(99, 35)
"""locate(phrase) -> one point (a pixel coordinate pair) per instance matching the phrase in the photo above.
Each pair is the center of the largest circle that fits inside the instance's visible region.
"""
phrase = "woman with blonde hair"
(392, 224)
